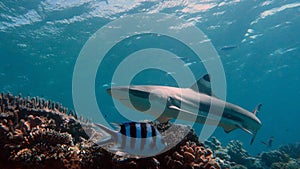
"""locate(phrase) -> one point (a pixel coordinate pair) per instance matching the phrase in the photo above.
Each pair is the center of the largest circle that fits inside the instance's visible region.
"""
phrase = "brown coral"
(190, 155)
(50, 136)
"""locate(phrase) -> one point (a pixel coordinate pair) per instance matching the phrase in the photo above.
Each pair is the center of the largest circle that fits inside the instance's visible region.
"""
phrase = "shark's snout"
(118, 92)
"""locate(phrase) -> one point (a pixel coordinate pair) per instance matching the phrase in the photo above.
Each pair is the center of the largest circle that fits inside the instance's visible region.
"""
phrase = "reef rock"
(274, 156)
(292, 164)
(236, 152)
(293, 150)
(220, 153)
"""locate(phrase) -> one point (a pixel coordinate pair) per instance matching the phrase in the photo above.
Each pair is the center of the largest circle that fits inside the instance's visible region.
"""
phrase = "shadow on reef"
(37, 133)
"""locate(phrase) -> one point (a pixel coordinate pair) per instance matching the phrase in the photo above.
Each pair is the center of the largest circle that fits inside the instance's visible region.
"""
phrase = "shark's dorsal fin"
(203, 85)
(257, 109)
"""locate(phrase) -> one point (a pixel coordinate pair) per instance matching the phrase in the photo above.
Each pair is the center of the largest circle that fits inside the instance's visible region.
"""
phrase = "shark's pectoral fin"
(228, 129)
(172, 107)
(191, 116)
(184, 111)
(246, 130)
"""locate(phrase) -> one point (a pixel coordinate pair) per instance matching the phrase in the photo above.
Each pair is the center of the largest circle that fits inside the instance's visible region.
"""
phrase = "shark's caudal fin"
(257, 109)
(203, 85)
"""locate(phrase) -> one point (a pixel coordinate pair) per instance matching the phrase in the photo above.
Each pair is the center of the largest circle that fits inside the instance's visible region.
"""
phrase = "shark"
(192, 103)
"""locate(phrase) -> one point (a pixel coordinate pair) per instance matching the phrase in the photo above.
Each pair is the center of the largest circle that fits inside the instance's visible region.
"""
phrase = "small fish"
(229, 47)
(269, 143)
(134, 138)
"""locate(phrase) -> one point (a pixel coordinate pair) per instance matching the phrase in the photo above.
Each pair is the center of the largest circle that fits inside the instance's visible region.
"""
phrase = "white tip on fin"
(246, 130)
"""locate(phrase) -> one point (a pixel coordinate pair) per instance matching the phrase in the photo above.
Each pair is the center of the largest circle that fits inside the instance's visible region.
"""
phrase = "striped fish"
(134, 138)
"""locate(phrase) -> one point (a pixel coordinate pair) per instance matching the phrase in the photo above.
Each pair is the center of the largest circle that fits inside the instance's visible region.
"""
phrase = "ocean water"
(40, 42)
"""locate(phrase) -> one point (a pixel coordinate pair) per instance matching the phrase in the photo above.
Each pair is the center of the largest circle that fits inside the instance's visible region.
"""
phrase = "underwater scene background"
(257, 41)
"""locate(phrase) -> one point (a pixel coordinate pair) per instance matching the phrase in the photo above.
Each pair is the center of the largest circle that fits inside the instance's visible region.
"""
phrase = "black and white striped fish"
(134, 138)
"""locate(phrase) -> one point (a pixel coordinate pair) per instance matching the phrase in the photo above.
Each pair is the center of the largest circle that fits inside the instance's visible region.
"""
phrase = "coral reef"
(288, 165)
(234, 156)
(293, 150)
(38, 133)
(274, 156)
(191, 155)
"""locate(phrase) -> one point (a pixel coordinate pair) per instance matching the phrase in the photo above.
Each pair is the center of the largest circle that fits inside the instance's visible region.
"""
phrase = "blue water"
(41, 40)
